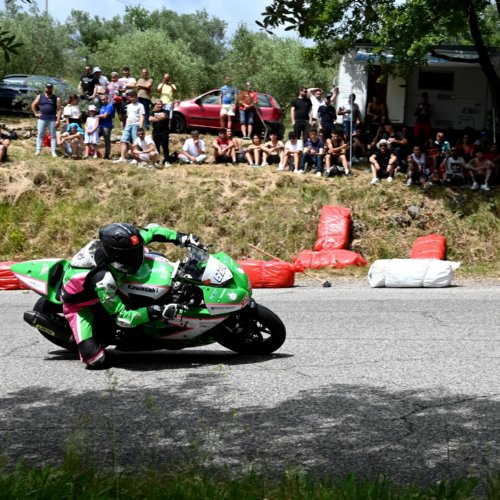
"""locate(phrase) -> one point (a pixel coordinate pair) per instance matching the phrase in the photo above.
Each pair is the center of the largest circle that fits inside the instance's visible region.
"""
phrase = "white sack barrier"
(411, 273)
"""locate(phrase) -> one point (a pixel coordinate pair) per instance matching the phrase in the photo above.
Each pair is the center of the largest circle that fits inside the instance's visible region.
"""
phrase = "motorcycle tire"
(262, 332)
(51, 310)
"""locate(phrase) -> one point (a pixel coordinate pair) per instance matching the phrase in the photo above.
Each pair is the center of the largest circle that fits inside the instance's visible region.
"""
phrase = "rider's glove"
(167, 311)
(190, 239)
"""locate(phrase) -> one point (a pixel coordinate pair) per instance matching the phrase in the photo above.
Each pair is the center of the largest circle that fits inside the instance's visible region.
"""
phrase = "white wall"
(395, 99)
(353, 79)
(466, 105)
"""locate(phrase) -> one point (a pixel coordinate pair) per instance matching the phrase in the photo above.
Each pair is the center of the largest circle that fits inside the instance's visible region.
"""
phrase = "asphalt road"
(403, 382)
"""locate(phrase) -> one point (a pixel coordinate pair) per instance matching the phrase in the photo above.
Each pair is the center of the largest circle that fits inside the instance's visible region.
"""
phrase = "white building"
(458, 91)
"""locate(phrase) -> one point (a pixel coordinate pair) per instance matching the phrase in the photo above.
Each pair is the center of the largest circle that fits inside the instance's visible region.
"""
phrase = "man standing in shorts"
(227, 103)
(135, 120)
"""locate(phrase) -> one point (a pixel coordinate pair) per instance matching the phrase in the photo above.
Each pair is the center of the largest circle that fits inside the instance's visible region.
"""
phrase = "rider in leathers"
(89, 291)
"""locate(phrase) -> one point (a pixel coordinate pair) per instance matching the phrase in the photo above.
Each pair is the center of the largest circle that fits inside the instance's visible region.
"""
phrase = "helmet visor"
(128, 260)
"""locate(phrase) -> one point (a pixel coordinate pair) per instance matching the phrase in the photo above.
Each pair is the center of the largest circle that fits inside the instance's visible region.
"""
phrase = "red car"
(203, 112)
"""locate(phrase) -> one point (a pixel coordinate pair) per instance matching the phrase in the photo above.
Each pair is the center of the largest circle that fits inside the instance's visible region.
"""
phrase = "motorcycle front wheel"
(258, 332)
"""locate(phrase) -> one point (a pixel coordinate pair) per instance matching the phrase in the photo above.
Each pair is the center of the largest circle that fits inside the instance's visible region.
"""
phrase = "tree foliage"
(275, 65)
(151, 49)
(9, 45)
(410, 29)
(193, 48)
(88, 31)
(42, 43)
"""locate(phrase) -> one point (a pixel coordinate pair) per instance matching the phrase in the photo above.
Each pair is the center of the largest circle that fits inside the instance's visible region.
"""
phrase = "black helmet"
(123, 246)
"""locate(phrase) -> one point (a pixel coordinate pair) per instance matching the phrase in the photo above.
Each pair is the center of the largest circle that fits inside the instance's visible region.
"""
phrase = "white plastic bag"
(411, 273)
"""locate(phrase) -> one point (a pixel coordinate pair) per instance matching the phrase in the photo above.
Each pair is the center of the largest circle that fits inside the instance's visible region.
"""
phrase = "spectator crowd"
(327, 138)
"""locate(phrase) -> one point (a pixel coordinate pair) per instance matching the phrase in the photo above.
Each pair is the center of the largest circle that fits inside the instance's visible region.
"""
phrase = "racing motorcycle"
(213, 294)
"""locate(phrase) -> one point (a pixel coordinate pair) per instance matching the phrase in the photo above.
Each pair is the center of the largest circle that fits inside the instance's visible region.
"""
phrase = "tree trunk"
(484, 58)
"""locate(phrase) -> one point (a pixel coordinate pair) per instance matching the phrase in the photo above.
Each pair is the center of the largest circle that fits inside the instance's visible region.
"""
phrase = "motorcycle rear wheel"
(54, 312)
(258, 332)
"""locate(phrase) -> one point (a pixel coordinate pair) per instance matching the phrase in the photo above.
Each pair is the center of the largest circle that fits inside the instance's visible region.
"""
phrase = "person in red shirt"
(224, 150)
(247, 100)
(466, 147)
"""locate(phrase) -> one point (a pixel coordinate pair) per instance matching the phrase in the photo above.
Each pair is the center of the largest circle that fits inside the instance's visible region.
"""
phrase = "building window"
(435, 80)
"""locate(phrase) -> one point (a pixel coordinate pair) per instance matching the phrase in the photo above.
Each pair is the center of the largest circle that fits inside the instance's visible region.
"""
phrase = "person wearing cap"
(87, 84)
(47, 108)
(106, 116)
(144, 88)
(247, 100)
(383, 163)
(102, 81)
(327, 116)
(193, 150)
(71, 141)
(91, 137)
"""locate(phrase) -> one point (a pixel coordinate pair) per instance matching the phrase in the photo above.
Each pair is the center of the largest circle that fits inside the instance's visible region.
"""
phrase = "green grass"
(73, 481)
(51, 207)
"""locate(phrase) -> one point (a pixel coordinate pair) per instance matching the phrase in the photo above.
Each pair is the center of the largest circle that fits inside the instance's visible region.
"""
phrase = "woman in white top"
(71, 112)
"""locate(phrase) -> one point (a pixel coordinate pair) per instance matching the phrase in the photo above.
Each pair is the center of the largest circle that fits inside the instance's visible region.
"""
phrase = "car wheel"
(179, 125)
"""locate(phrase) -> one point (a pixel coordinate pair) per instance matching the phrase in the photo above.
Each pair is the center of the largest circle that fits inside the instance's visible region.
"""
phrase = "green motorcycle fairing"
(44, 276)
(155, 278)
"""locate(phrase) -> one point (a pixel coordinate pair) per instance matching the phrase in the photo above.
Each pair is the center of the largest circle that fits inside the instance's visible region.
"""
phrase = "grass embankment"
(50, 207)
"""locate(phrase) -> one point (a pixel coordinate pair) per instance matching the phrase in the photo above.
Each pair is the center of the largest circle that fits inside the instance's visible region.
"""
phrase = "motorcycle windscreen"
(216, 273)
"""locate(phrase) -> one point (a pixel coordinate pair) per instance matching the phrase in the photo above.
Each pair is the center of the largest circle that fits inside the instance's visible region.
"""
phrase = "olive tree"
(153, 50)
(41, 44)
(275, 65)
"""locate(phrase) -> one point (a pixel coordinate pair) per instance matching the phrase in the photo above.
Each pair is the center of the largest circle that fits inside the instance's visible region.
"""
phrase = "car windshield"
(264, 101)
(14, 80)
(210, 99)
(38, 81)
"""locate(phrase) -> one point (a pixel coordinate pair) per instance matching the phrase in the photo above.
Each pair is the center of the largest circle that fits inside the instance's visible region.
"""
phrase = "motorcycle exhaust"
(54, 326)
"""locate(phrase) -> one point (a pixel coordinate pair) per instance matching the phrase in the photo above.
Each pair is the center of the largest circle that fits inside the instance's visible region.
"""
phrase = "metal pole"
(350, 132)
(494, 126)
